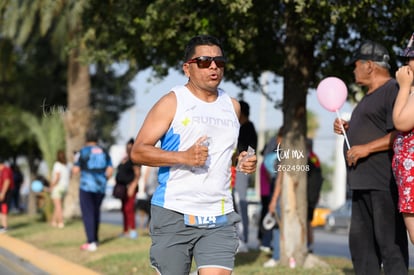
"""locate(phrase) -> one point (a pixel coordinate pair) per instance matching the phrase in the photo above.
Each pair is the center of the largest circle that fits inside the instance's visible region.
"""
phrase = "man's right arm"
(155, 125)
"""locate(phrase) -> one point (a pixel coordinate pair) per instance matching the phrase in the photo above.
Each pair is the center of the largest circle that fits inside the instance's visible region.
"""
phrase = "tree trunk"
(77, 120)
(293, 231)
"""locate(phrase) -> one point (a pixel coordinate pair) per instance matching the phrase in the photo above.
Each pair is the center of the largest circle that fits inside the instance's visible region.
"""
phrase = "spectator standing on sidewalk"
(95, 167)
(403, 144)
(274, 205)
(128, 174)
(247, 137)
(314, 186)
(148, 182)
(58, 187)
(268, 175)
(6, 187)
(18, 179)
(377, 236)
(264, 235)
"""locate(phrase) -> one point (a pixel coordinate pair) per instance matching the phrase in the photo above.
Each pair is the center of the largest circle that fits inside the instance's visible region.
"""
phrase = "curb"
(45, 261)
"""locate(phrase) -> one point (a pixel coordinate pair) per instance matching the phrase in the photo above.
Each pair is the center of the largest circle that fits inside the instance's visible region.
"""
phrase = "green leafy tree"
(48, 132)
(302, 41)
(26, 22)
(29, 80)
(49, 33)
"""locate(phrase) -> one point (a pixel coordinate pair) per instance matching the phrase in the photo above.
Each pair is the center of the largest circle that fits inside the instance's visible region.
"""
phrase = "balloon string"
(343, 131)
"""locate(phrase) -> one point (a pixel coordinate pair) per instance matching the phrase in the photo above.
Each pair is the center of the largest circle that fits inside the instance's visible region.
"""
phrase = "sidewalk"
(20, 258)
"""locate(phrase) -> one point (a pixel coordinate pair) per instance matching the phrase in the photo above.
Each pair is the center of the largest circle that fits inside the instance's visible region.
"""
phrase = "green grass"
(125, 256)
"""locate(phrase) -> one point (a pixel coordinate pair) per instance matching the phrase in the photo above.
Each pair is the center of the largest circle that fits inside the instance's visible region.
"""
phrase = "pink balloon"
(332, 93)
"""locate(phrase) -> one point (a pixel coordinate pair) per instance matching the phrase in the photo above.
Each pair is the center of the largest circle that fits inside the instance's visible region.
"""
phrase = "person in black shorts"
(192, 213)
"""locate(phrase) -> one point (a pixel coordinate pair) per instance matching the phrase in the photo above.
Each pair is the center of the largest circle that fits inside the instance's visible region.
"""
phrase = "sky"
(262, 113)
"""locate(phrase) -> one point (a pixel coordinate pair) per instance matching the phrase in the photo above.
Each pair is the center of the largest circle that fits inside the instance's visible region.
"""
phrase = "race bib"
(205, 221)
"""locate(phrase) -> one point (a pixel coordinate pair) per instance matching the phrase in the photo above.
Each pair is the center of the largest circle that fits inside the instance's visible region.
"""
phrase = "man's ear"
(186, 69)
(370, 66)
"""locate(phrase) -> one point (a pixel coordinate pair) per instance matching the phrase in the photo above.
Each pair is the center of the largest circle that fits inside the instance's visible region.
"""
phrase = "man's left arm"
(356, 152)
(382, 144)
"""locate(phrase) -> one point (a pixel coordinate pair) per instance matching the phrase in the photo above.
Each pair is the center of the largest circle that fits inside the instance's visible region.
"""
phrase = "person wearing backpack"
(95, 167)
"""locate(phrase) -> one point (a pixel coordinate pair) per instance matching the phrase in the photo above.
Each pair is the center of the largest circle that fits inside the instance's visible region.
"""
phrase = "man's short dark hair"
(92, 135)
(200, 40)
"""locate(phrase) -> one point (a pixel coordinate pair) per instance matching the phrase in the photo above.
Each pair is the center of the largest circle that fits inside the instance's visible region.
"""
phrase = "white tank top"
(203, 191)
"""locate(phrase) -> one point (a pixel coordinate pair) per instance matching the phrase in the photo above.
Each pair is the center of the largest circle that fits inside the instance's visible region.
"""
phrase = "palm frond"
(48, 132)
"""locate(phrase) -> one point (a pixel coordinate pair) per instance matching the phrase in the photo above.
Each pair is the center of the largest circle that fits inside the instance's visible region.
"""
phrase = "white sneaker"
(265, 249)
(271, 263)
(92, 247)
(89, 247)
(242, 247)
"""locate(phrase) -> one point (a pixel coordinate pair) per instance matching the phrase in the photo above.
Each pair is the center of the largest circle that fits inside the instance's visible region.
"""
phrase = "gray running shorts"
(174, 244)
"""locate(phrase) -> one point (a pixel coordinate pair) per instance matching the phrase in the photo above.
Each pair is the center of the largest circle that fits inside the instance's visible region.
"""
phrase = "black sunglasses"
(205, 61)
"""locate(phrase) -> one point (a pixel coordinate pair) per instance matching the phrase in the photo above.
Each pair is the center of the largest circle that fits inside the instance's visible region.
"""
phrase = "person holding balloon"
(377, 236)
(403, 160)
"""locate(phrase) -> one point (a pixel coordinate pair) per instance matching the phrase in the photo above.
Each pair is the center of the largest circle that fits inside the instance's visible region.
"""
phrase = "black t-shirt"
(315, 180)
(371, 120)
(247, 137)
(125, 173)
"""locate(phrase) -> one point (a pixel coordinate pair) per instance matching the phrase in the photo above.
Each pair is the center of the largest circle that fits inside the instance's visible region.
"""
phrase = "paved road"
(10, 264)
(326, 243)
(21, 258)
(329, 243)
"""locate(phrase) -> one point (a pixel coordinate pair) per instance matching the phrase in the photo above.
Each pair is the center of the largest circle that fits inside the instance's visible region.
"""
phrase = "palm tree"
(48, 132)
(23, 21)
(50, 136)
